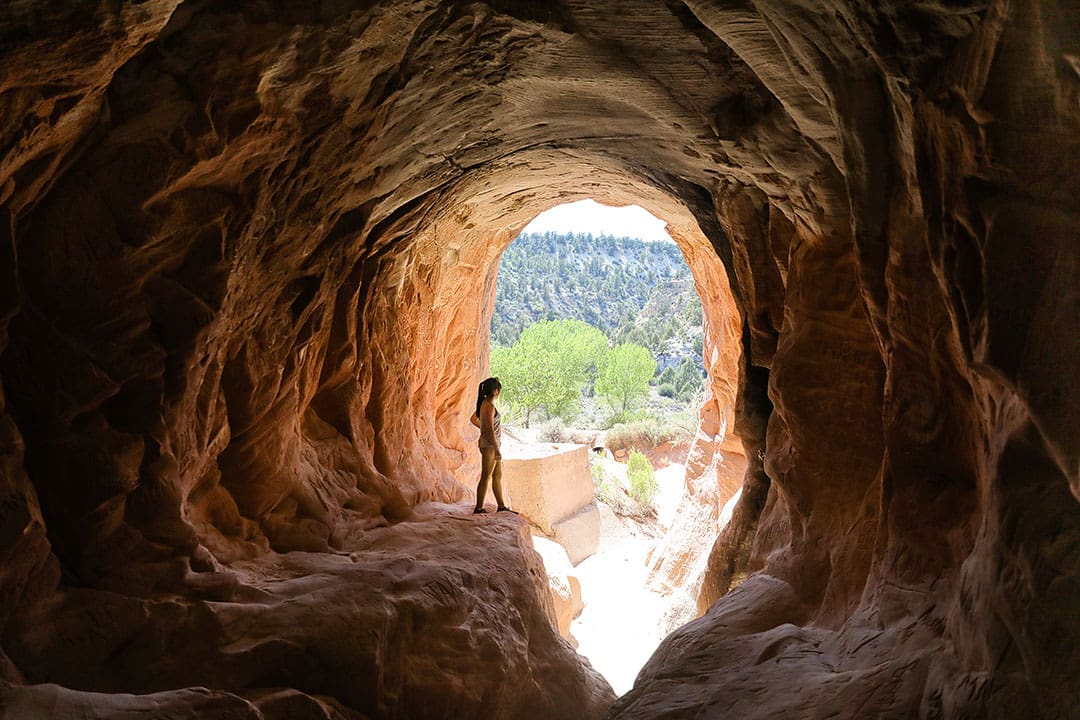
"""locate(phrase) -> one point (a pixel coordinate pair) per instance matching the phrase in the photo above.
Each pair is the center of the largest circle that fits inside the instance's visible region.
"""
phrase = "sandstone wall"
(247, 259)
(553, 490)
(899, 441)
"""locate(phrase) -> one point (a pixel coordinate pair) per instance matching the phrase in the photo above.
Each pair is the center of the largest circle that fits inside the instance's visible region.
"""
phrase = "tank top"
(497, 425)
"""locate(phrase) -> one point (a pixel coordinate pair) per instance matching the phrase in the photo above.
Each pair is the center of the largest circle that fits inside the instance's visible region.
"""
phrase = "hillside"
(632, 290)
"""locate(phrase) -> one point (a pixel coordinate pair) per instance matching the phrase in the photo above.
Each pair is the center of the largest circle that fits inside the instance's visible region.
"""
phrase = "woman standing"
(487, 419)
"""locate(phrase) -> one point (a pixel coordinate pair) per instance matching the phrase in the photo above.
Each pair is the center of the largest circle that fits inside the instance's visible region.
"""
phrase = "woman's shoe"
(506, 509)
(478, 511)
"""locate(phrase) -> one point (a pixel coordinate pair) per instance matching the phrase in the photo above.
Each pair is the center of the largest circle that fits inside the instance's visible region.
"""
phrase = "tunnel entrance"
(248, 259)
(599, 338)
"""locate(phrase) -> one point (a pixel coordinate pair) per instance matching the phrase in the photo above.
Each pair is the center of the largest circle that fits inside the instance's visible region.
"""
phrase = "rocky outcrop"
(900, 519)
(715, 462)
(373, 632)
(552, 488)
(679, 561)
(247, 258)
(41, 701)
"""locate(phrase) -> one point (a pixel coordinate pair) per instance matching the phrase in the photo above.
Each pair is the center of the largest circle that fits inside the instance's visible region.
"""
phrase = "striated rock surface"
(714, 464)
(36, 701)
(412, 622)
(248, 253)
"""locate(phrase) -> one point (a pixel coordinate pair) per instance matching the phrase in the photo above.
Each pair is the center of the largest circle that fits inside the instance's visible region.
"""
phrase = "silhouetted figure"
(487, 419)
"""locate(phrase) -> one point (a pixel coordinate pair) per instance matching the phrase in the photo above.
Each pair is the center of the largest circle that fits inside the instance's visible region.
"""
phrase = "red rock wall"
(918, 512)
(247, 260)
(714, 464)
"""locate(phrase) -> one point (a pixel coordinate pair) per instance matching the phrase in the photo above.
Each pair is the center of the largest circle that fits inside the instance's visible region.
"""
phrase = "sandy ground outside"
(619, 628)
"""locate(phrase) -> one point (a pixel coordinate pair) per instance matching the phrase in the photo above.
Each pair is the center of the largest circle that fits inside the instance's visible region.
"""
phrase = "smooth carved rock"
(411, 623)
(552, 488)
(248, 255)
(563, 584)
(714, 463)
(36, 701)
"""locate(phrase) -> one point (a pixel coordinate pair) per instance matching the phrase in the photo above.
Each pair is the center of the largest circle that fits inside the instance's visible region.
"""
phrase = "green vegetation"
(636, 296)
(555, 361)
(624, 374)
(643, 435)
(609, 491)
(629, 416)
(547, 366)
(681, 381)
(669, 323)
(553, 431)
(633, 291)
(639, 471)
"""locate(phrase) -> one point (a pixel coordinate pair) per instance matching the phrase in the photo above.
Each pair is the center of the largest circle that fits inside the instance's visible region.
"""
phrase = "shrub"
(553, 431)
(583, 437)
(610, 492)
(642, 479)
(621, 417)
(688, 378)
(642, 435)
(667, 390)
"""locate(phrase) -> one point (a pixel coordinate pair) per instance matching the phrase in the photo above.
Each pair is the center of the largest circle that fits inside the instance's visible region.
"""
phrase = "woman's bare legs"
(496, 483)
(490, 471)
(488, 467)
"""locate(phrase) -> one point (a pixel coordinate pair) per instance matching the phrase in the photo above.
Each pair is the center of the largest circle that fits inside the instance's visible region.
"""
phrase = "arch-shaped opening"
(624, 579)
(438, 293)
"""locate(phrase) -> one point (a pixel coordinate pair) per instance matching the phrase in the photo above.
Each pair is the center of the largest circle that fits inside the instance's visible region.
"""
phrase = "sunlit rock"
(550, 485)
(563, 584)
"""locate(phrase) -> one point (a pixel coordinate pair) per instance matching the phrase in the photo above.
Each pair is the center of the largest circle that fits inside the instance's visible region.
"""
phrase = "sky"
(589, 216)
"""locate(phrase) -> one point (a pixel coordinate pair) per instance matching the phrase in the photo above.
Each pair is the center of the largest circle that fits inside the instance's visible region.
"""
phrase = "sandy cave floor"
(619, 628)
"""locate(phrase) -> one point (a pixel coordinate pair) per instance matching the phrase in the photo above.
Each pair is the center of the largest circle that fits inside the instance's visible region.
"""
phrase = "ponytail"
(486, 390)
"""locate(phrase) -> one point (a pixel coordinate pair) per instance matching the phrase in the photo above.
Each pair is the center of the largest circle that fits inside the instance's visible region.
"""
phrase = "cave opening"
(625, 538)
(248, 254)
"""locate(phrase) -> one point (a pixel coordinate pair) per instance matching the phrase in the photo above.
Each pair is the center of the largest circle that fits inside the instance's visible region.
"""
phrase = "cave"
(248, 252)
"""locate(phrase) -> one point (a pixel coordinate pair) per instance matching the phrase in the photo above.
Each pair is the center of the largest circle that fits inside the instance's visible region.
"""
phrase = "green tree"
(688, 378)
(624, 374)
(548, 365)
(699, 345)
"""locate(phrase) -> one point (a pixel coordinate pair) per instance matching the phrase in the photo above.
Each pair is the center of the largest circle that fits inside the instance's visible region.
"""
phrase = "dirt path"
(618, 629)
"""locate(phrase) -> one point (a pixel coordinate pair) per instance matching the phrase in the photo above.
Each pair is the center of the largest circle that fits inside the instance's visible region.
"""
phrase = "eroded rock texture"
(247, 259)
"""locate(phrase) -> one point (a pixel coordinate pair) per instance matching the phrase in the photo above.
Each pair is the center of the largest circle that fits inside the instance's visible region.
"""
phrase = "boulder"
(552, 487)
